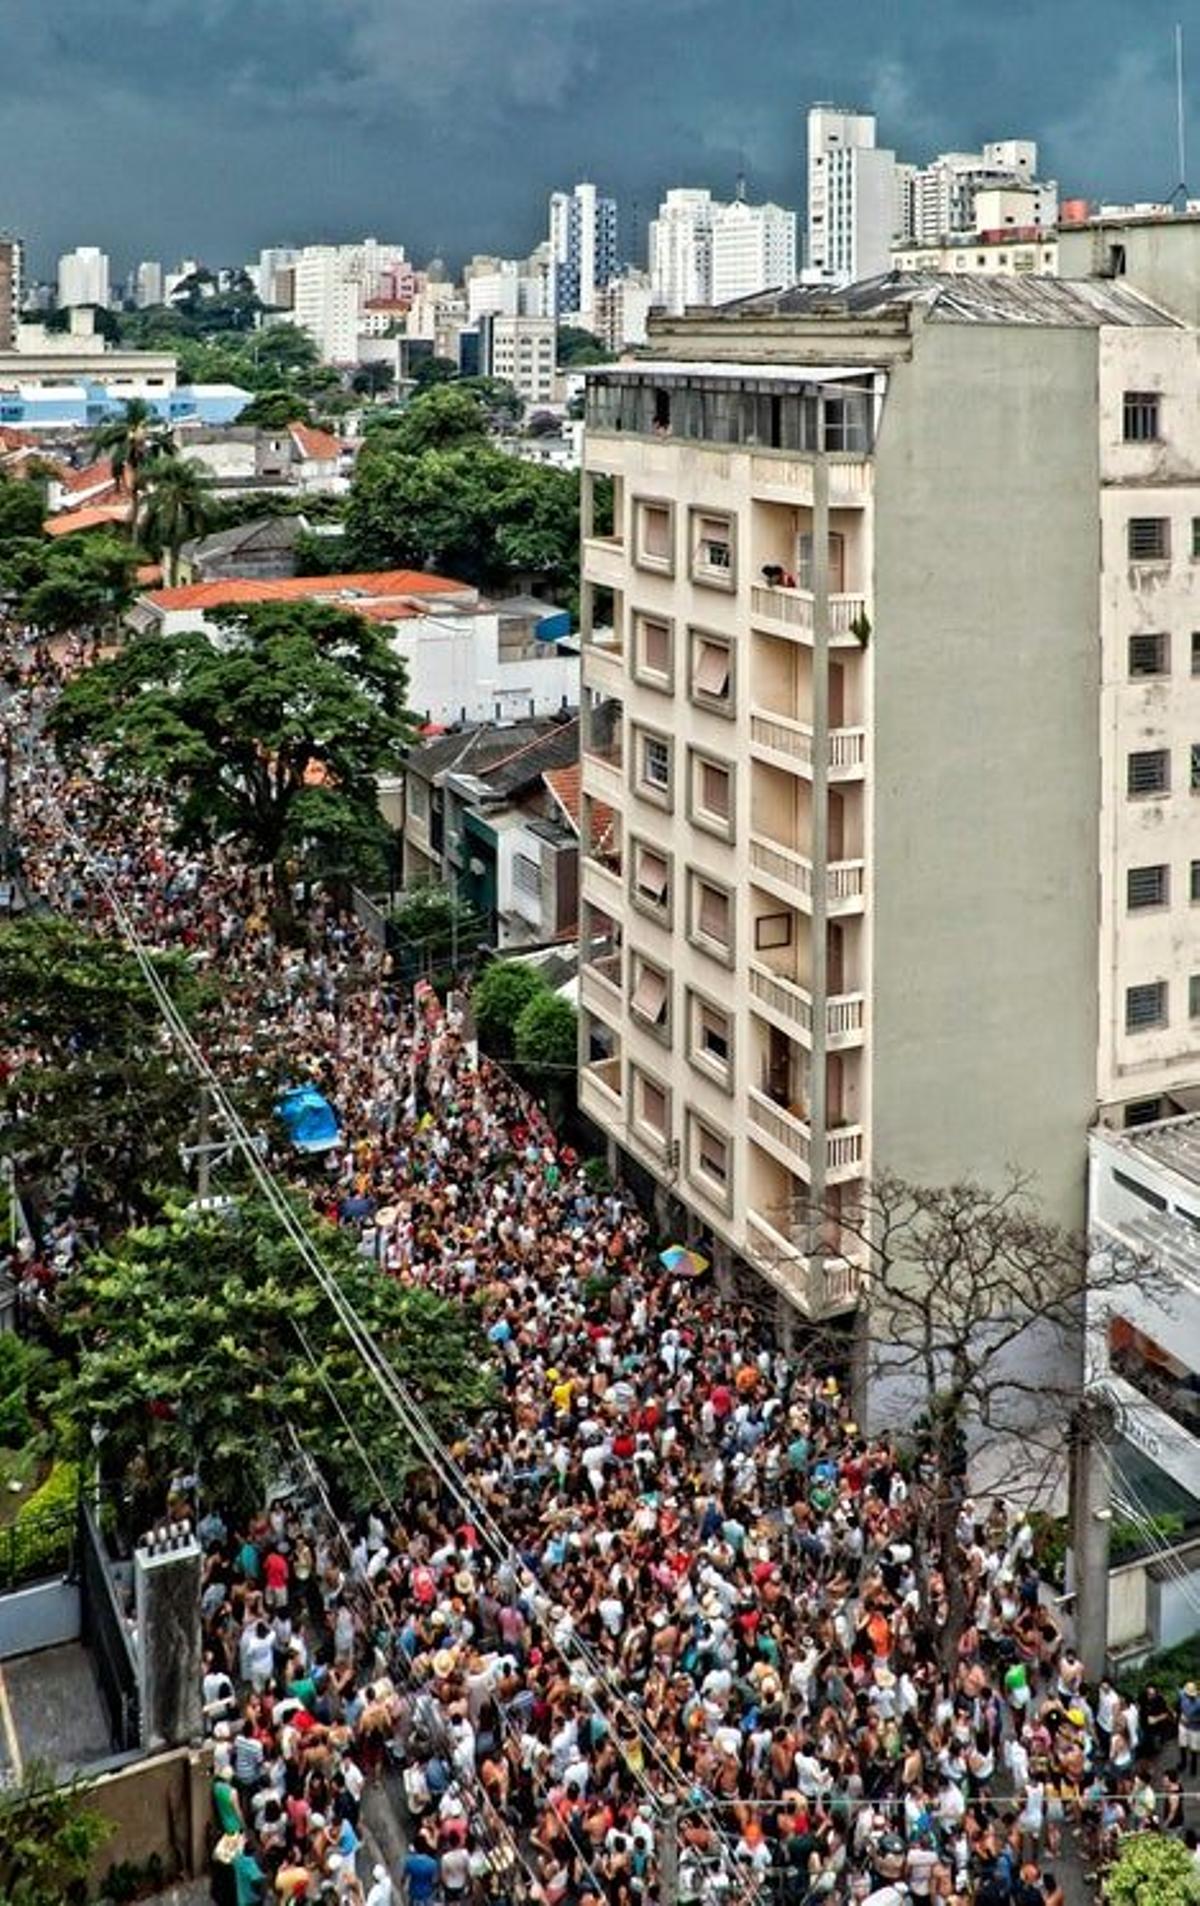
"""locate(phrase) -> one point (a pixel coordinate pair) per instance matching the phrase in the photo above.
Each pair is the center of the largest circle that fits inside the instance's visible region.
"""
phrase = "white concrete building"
(680, 245)
(331, 284)
(273, 275)
(583, 249)
(622, 312)
(521, 351)
(852, 197)
(753, 250)
(148, 283)
(83, 277)
(940, 198)
(838, 919)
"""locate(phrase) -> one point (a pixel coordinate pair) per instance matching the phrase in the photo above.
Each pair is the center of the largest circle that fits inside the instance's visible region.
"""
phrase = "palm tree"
(177, 506)
(130, 441)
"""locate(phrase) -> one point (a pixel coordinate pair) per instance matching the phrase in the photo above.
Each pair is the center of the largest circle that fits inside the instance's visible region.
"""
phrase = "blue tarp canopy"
(308, 1119)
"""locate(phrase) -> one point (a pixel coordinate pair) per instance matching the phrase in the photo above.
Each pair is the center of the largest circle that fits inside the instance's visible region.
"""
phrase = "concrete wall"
(43, 1616)
(161, 1805)
(985, 664)
(1162, 259)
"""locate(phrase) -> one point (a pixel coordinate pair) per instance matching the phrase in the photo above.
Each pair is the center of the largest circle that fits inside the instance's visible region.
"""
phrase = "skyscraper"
(83, 277)
(583, 248)
(148, 283)
(10, 291)
(852, 199)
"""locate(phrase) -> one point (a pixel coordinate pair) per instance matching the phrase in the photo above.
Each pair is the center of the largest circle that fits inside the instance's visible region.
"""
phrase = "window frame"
(719, 1070)
(726, 703)
(723, 826)
(1136, 407)
(1135, 1023)
(661, 679)
(1134, 524)
(1160, 900)
(646, 789)
(639, 1079)
(705, 575)
(723, 951)
(719, 1191)
(1157, 792)
(640, 969)
(1162, 653)
(660, 910)
(644, 558)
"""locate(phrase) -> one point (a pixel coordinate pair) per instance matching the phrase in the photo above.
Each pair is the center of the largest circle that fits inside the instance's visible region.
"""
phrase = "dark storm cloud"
(157, 127)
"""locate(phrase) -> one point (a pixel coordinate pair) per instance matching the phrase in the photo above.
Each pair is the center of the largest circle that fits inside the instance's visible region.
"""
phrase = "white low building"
(469, 660)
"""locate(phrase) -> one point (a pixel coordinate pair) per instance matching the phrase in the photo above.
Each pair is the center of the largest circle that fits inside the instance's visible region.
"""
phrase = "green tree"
(81, 584)
(48, 1838)
(178, 505)
(503, 991)
(444, 417)
(577, 347)
(102, 1087)
(275, 409)
(434, 370)
(273, 733)
(189, 1352)
(375, 379)
(22, 508)
(546, 1046)
(1152, 1870)
(430, 927)
(131, 441)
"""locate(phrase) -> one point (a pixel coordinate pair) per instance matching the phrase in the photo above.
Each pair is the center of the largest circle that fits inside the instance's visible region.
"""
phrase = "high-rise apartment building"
(753, 250)
(704, 252)
(939, 199)
(10, 291)
(148, 284)
(83, 277)
(583, 248)
(622, 312)
(273, 275)
(890, 744)
(521, 352)
(852, 197)
(330, 286)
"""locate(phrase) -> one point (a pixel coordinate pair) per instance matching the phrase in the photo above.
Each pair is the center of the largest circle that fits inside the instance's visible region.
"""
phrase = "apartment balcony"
(603, 777)
(791, 1008)
(791, 876)
(789, 744)
(792, 612)
(604, 561)
(818, 1286)
(780, 478)
(600, 1092)
(604, 663)
(790, 1138)
(600, 983)
(603, 883)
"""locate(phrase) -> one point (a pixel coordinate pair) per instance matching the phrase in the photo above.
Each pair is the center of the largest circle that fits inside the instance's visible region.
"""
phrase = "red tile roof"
(566, 786)
(318, 445)
(13, 440)
(93, 476)
(89, 516)
(367, 591)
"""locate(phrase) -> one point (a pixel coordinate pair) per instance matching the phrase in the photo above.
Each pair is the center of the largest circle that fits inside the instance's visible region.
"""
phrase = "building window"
(1196, 651)
(1195, 767)
(712, 672)
(1141, 416)
(1142, 1112)
(712, 795)
(711, 1037)
(650, 1104)
(654, 767)
(1195, 880)
(650, 992)
(1149, 655)
(712, 917)
(1196, 536)
(710, 1156)
(654, 548)
(1146, 1006)
(1149, 539)
(653, 650)
(712, 549)
(527, 876)
(1194, 996)
(651, 879)
(1147, 887)
(772, 930)
(1149, 772)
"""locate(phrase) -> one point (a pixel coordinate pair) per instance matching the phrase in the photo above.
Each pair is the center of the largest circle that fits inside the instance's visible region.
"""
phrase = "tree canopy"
(178, 505)
(1152, 1870)
(273, 731)
(132, 440)
(189, 1355)
(99, 1086)
(22, 508)
(577, 346)
(48, 1837)
(504, 989)
(78, 584)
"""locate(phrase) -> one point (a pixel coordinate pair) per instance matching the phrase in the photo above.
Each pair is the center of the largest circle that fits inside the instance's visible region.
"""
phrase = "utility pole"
(668, 1853)
(1091, 1526)
(203, 1145)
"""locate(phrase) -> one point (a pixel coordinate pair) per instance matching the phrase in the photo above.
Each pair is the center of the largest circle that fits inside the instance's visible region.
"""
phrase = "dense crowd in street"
(712, 1586)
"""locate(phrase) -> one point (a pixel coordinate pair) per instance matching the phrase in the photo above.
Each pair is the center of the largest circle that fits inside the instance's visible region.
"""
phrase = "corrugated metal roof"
(957, 298)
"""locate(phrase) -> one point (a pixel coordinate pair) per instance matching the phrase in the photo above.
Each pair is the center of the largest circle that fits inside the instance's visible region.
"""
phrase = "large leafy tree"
(203, 1342)
(1151, 1869)
(91, 1079)
(177, 506)
(48, 1838)
(273, 731)
(22, 508)
(132, 440)
(82, 584)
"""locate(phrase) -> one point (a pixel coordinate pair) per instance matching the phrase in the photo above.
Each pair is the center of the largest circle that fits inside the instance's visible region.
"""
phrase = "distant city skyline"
(153, 128)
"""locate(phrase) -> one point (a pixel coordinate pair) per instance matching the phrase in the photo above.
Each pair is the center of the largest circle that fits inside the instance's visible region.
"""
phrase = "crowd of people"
(666, 1623)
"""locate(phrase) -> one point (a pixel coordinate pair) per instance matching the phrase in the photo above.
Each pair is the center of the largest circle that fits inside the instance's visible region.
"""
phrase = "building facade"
(10, 291)
(845, 915)
(583, 249)
(753, 250)
(83, 277)
(851, 198)
(521, 352)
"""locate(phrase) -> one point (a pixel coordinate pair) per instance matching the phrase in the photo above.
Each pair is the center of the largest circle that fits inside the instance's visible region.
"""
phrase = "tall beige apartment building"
(891, 756)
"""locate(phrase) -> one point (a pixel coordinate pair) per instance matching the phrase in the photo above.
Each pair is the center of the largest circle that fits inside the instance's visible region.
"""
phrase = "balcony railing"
(849, 477)
(794, 611)
(821, 1286)
(794, 740)
(787, 1131)
(843, 1011)
(844, 878)
(600, 1089)
(603, 559)
(602, 777)
(601, 980)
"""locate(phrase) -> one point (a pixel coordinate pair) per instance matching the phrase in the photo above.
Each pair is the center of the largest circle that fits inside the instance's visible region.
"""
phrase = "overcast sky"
(159, 128)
